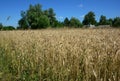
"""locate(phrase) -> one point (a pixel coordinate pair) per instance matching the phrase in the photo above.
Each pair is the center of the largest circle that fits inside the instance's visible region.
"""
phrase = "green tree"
(35, 18)
(66, 22)
(23, 23)
(8, 28)
(43, 22)
(74, 22)
(1, 26)
(33, 14)
(116, 22)
(45, 12)
(89, 18)
(58, 24)
(110, 21)
(51, 16)
(103, 20)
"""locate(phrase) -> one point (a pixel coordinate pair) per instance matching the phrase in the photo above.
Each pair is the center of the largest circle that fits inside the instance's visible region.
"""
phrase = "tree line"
(36, 18)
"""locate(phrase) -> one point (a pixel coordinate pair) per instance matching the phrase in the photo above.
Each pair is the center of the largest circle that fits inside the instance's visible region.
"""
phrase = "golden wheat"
(60, 55)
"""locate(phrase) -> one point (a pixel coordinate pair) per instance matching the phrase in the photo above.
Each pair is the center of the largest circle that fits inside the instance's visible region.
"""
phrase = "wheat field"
(60, 55)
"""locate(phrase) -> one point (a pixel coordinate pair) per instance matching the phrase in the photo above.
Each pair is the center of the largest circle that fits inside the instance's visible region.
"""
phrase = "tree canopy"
(66, 22)
(89, 18)
(8, 28)
(103, 20)
(1, 26)
(36, 18)
(74, 22)
(116, 22)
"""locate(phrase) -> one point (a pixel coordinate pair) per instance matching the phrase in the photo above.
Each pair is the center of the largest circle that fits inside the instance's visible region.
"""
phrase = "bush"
(74, 22)
(43, 22)
(8, 28)
(1, 26)
(116, 22)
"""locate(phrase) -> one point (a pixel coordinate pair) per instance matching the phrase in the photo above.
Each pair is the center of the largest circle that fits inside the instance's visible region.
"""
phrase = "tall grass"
(60, 55)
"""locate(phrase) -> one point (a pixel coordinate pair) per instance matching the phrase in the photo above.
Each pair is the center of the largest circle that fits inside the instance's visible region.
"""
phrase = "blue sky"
(62, 8)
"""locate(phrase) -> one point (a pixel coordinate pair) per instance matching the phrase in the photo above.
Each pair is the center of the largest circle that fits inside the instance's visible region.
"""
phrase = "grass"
(60, 55)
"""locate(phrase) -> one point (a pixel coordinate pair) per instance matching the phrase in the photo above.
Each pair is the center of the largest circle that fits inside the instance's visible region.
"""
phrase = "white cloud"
(80, 5)
(60, 17)
(82, 16)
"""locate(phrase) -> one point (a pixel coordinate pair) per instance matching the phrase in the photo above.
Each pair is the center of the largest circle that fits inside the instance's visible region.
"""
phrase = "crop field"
(60, 55)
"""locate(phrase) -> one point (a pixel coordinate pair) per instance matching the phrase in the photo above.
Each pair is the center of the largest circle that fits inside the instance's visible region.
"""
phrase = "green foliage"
(110, 21)
(36, 18)
(89, 18)
(51, 16)
(8, 28)
(74, 22)
(43, 22)
(22, 24)
(103, 20)
(33, 14)
(66, 22)
(1, 26)
(58, 24)
(116, 22)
